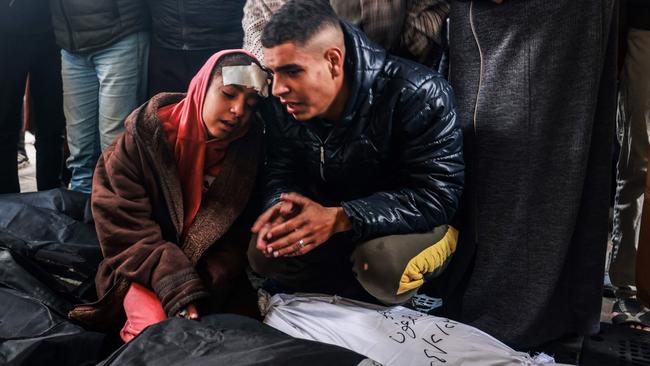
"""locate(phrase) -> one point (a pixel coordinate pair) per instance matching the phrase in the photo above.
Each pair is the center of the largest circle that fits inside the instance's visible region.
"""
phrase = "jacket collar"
(364, 62)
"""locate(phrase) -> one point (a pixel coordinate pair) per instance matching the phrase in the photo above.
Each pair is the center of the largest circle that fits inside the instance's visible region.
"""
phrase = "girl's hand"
(189, 312)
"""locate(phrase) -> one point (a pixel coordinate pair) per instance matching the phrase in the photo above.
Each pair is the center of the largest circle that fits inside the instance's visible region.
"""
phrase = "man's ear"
(335, 58)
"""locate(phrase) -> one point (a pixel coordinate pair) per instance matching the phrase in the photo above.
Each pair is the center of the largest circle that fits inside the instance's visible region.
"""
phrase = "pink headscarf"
(185, 131)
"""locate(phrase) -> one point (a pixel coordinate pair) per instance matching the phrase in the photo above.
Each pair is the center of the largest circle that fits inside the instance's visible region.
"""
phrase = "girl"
(166, 196)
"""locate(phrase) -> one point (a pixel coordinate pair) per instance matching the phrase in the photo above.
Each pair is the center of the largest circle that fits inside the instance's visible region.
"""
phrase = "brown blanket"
(138, 210)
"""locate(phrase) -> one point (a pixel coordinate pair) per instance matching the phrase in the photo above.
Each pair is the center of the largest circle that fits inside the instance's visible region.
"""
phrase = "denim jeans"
(100, 89)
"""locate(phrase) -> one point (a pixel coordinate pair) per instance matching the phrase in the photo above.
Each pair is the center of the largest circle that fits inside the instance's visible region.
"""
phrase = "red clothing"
(142, 309)
(185, 132)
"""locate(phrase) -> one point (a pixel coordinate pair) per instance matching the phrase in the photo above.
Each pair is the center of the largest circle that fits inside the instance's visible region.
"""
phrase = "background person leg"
(80, 105)
(47, 96)
(634, 122)
(13, 73)
(122, 74)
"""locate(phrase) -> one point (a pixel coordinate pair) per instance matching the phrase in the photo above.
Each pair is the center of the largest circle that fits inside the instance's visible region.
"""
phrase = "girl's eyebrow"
(236, 86)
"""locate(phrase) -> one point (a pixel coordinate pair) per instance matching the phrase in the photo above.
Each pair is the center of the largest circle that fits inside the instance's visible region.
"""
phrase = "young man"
(364, 162)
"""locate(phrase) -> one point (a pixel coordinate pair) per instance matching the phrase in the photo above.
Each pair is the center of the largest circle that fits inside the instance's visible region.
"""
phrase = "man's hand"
(189, 312)
(309, 228)
(275, 215)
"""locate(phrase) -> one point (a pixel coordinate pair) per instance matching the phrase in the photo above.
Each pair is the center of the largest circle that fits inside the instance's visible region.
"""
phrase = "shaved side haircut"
(298, 21)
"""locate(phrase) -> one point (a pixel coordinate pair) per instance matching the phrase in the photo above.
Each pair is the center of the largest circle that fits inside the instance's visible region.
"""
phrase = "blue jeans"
(100, 89)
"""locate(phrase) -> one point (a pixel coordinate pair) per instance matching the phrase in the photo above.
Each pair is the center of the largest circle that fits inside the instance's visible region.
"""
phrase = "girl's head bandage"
(251, 76)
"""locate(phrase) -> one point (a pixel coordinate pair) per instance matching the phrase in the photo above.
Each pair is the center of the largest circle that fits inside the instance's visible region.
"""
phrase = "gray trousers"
(633, 125)
(332, 267)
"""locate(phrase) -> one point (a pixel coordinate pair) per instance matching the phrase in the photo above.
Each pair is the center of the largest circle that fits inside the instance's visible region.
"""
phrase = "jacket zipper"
(181, 12)
(474, 198)
(322, 162)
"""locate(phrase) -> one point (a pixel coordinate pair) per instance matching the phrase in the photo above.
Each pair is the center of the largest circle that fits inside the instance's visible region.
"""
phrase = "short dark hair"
(297, 21)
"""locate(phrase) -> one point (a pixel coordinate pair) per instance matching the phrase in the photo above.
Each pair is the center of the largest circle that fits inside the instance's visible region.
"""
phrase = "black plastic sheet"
(49, 255)
(48, 258)
(51, 235)
(32, 334)
(225, 339)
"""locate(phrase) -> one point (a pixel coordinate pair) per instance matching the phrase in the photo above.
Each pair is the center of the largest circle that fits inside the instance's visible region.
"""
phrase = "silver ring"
(301, 243)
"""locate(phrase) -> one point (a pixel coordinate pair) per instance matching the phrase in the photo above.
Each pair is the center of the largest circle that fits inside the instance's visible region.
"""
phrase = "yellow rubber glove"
(428, 261)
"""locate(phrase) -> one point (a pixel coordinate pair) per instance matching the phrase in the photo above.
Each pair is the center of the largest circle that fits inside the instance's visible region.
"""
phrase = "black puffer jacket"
(89, 25)
(394, 161)
(197, 24)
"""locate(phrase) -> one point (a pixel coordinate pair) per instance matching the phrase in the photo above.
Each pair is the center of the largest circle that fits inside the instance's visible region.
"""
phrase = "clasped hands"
(294, 226)
(297, 225)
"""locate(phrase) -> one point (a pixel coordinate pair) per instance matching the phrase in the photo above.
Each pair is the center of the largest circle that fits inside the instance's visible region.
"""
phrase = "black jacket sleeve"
(429, 169)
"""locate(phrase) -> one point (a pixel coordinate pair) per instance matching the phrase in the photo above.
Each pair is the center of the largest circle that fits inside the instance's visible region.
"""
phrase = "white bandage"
(251, 76)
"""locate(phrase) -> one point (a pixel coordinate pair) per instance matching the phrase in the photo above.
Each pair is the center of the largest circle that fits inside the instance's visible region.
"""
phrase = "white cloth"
(389, 335)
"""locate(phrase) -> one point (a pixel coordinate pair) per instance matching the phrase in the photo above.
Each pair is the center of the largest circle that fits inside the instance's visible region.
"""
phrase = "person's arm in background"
(381, 20)
(256, 14)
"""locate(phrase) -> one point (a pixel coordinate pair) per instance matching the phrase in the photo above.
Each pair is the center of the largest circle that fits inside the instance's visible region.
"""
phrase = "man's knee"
(392, 268)
(258, 262)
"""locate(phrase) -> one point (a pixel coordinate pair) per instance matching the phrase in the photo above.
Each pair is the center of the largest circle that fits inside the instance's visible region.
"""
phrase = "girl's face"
(227, 109)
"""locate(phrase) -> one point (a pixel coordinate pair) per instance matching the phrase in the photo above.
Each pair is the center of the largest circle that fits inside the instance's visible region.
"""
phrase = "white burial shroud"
(390, 335)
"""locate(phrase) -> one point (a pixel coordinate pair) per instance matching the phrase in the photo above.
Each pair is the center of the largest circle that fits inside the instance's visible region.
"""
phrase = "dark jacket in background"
(637, 14)
(24, 17)
(89, 25)
(197, 24)
(394, 160)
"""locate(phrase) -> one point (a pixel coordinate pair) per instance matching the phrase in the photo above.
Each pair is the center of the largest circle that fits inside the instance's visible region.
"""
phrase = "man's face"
(302, 79)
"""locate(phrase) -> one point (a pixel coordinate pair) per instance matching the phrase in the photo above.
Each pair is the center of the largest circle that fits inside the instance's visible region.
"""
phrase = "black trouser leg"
(376, 266)
(166, 71)
(172, 70)
(21, 142)
(325, 269)
(47, 95)
(13, 73)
